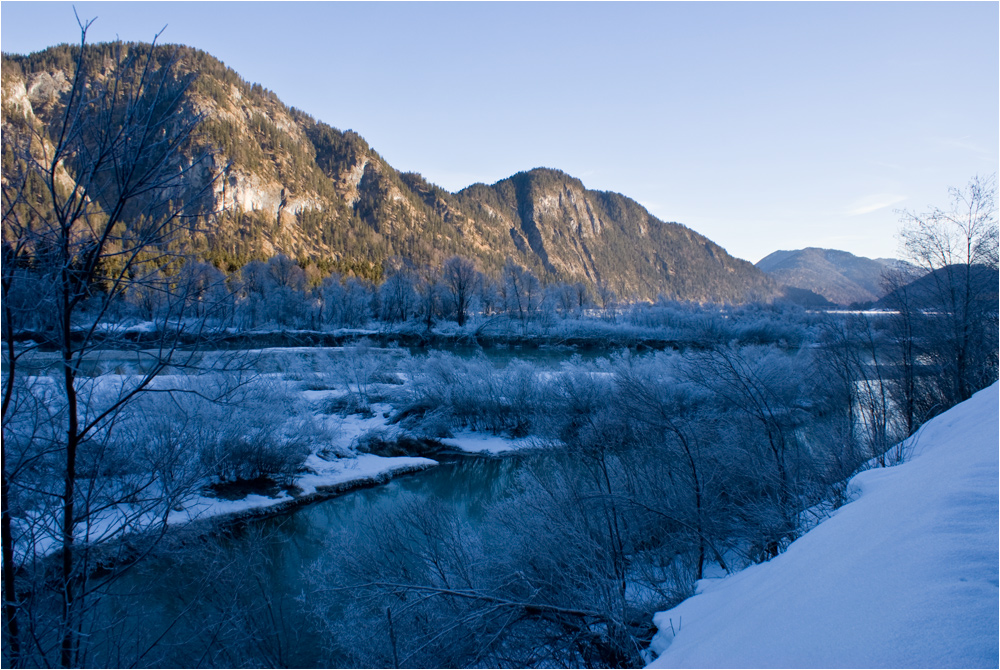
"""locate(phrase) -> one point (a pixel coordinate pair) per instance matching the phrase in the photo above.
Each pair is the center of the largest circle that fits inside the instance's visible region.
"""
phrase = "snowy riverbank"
(906, 575)
(325, 479)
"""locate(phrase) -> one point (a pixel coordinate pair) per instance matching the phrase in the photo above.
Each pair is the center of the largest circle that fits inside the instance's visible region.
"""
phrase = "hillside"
(606, 237)
(903, 576)
(931, 291)
(838, 276)
(297, 186)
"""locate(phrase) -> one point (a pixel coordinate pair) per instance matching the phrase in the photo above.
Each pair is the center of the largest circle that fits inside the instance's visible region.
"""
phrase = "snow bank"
(325, 479)
(903, 576)
(365, 468)
(480, 443)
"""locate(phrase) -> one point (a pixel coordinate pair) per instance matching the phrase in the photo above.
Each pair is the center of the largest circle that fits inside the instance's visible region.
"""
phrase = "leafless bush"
(475, 393)
(251, 437)
(359, 367)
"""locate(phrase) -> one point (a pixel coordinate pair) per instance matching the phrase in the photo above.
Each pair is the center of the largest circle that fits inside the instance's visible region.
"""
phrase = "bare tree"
(762, 387)
(957, 247)
(429, 292)
(909, 390)
(490, 297)
(462, 279)
(331, 293)
(653, 400)
(568, 298)
(97, 199)
(857, 354)
(356, 308)
(522, 292)
(397, 296)
(251, 288)
(606, 296)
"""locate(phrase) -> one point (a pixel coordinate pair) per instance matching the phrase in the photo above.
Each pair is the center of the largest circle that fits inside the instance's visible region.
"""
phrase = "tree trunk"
(68, 644)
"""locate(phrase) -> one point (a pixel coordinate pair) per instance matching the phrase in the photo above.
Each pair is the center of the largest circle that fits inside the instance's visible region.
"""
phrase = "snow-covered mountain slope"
(903, 576)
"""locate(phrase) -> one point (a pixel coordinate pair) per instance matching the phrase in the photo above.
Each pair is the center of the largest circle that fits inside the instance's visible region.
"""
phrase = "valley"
(269, 401)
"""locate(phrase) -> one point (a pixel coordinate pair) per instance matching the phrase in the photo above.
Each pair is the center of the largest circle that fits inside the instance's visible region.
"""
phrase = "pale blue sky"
(763, 126)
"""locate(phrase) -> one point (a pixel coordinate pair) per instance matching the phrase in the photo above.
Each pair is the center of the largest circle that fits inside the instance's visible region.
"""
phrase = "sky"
(763, 126)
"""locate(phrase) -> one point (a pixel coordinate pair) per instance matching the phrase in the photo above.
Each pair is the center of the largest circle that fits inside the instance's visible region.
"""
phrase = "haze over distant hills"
(297, 186)
(837, 276)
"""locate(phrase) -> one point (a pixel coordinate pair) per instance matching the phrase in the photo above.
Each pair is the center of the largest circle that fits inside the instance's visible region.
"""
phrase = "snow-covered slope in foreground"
(903, 576)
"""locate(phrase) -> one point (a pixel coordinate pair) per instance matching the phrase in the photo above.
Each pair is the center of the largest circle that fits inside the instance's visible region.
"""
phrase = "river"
(242, 591)
(238, 596)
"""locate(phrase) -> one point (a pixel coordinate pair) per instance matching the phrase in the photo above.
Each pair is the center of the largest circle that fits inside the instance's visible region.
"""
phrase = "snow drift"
(903, 576)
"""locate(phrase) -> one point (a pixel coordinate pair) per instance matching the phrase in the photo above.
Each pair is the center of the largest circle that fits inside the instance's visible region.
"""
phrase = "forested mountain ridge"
(598, 236)
(297, 186)
(839, 276)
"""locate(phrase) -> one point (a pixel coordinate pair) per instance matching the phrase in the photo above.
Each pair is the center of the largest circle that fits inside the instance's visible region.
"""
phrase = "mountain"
(838, 276)
(600, 236)
(297, 186)
(805, 298)
(934, 290)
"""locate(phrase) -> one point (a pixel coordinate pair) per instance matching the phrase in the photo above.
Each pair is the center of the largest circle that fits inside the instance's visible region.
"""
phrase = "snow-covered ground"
(323, 479)
(325, 474)
(486, 443)
(906, 575)
(333, 466)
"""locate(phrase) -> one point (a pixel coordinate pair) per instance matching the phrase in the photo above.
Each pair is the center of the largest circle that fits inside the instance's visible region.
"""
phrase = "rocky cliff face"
(284, 182)
(601, 237)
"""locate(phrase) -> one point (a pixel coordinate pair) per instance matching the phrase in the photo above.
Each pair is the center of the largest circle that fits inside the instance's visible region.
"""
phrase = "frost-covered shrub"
(787, 325)
(436, 423)
(435, 382)
(379, 442)
(346, 404)
(770, 328)
(474, 393)
(365, 371)
(513, 398)
(257, 432)
(252, 446)
(260, 452)
(571, 398)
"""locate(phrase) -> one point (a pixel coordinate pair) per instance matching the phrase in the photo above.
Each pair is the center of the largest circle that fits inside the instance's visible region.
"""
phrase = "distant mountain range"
(300, 187)
(837, 276)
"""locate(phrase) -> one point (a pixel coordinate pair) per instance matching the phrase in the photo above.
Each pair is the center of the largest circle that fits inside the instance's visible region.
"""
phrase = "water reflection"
(246, 588)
